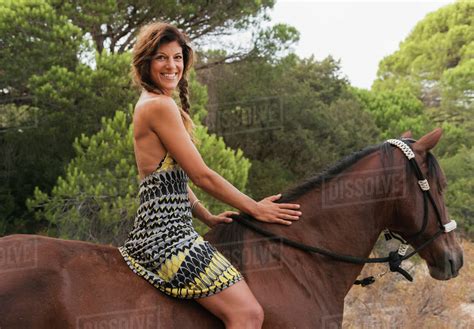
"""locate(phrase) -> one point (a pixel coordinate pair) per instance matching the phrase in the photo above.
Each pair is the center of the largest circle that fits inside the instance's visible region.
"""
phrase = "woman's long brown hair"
(150, 37)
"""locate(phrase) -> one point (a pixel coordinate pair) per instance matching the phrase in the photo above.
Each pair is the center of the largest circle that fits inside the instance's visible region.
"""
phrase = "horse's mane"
(330, 172)
(230, 236)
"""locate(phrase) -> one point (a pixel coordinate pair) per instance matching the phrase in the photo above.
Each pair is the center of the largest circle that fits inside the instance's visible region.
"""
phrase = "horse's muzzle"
(447, 267)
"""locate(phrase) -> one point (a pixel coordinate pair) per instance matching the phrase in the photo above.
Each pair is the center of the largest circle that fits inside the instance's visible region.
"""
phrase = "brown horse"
(53, 283)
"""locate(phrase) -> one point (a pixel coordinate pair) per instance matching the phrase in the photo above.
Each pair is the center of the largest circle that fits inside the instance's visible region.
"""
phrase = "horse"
(49, 283)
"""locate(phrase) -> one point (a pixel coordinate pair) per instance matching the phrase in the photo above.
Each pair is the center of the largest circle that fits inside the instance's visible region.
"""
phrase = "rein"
(394, 258)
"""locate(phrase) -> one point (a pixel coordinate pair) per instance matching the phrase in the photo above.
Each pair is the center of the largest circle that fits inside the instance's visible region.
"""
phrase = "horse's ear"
(406, 134)
(429, 141)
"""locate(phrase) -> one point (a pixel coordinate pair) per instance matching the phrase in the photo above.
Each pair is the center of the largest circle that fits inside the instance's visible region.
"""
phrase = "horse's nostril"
(453, 267)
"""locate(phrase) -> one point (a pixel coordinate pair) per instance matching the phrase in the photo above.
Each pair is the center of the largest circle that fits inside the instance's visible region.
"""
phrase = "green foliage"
(85, 93)
(113, 24)
(440, 42)
(454, 138)
(394, 111)
(198, 98)
(269, 177)
(460, 193)
(275, 40)
(230, 164)
(66, 103)
(457, 83)
(32, 38)
(7, 206)
(436, 63)
(95, 200)
(321, 121)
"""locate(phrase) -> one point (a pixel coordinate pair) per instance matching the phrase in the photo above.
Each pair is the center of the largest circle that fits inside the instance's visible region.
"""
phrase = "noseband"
(395, 258)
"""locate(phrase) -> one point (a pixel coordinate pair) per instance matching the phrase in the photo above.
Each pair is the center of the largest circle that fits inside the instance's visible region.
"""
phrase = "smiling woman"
(167, 67)
(163, 247)
(161, 49)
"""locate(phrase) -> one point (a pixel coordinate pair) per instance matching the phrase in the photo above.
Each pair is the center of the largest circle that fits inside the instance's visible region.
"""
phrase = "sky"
(359, 33)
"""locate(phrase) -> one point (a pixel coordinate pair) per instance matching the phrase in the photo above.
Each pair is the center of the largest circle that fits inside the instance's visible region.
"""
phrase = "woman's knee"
(258, 314)
(252, 314)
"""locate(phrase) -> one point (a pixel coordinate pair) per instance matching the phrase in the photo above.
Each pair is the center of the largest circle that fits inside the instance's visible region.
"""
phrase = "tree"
(83, 95)
(95, 199)
(66, 103)
(438, 44)
(436, 63)
(460, 191)
(394, 111)
(113, 25)
(33, 37)
(313, 120)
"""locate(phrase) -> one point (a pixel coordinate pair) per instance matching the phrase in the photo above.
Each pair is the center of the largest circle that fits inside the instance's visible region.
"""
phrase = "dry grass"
(393, 302)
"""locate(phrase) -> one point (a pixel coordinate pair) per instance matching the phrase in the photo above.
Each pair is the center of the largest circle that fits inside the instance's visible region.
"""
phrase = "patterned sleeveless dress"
(164, 248)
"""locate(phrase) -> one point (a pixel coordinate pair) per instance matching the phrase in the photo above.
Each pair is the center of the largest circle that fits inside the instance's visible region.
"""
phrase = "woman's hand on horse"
(280, 213)
(224, 217)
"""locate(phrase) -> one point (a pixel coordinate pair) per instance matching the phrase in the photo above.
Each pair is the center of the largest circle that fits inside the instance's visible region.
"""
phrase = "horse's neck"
(348, 230)
(348, 227)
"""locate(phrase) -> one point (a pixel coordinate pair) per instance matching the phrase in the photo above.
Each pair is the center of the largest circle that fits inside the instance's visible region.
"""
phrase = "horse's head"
(443, 255)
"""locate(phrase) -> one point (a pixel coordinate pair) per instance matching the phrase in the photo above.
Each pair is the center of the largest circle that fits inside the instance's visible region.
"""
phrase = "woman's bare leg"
(236, 306)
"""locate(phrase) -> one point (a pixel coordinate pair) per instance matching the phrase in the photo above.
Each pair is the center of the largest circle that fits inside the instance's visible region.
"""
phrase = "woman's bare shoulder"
(153, 105)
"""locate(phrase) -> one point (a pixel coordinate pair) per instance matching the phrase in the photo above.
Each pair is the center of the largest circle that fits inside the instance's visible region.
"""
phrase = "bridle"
(395, 258)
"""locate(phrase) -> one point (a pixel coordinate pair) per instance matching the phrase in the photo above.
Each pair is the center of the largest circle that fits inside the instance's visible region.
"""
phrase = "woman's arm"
(165, 120)
(199, 211)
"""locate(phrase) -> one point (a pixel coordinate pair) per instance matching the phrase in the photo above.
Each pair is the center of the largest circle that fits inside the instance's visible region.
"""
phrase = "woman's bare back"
(149, 150)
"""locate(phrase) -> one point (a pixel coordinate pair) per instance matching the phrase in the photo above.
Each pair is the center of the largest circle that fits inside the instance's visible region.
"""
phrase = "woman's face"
(167, 67)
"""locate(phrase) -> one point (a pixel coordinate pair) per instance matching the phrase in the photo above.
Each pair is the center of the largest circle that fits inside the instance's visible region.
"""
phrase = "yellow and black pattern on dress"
(163, 246)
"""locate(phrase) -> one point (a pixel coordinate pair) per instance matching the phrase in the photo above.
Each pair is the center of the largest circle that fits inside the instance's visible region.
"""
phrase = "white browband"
(410, 155)
(402, 146)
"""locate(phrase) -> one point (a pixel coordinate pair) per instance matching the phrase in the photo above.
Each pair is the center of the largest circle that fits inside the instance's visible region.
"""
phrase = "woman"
(163, 246)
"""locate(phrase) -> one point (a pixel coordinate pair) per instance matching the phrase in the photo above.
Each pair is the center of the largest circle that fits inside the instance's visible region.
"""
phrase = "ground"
(393, 302)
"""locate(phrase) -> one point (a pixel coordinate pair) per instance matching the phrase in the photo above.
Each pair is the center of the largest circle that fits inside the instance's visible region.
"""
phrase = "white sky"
(360, 33)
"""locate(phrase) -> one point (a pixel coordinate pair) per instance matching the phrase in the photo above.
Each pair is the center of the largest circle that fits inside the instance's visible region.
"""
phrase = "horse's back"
(53, 283)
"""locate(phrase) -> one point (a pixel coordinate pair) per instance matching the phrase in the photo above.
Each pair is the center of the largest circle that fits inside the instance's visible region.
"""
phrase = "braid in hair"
(185, 108)
(183, 94)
